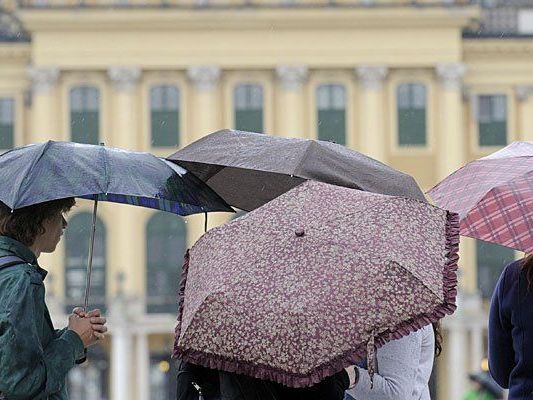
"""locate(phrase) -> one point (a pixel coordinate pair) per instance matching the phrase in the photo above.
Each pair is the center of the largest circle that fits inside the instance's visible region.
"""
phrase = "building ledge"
(337, 17)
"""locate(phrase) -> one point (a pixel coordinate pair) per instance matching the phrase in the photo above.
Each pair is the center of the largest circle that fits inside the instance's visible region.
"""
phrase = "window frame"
(351, 86)
(397, 111)
(234, 104)
(18, 121)
(473, 128)
(425, 77)
(178, 111)
(184, 225)
(345, 108)
(163, 78)
(232, 79)
(99, 110)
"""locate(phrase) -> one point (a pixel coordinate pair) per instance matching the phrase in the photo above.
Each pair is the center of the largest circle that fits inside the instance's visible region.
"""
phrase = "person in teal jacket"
(34, 357)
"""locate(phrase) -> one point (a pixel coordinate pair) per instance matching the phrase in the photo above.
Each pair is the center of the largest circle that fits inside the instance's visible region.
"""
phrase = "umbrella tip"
(299, 232)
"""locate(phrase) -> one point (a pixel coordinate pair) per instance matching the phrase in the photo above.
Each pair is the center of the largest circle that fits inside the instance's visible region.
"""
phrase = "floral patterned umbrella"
(313, 281)
(494, 197)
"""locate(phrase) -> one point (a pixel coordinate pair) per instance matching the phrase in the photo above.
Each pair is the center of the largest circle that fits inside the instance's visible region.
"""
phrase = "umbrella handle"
(90, 257)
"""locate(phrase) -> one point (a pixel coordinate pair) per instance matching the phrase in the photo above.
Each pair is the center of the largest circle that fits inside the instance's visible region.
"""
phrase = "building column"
(121, 346)
(205, 118)
(124, 121)
(525, 112)
(206, 110)
(457, 348)
(290, 118)
(372, 126)
(476, 345)
(143, 367)
(44, 121)
(126, 235)
(452, 138)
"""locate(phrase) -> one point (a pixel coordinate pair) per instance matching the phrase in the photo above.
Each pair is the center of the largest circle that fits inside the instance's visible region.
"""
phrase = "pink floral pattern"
(295, 290)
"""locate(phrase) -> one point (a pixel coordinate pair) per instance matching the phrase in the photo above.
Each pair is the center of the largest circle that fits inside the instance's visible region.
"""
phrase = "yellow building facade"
(400, 81)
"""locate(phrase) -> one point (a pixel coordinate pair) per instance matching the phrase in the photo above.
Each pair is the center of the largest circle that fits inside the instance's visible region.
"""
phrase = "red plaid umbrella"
(493, 197)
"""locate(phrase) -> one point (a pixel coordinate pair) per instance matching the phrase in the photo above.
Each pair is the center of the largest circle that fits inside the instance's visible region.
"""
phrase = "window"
(331, 113)
(77, 237)
(248, 103)
(492, 120)
(491, 259)
(84, 114)
(164, 116)
(411, 105)
(7, 122)
(166, 239)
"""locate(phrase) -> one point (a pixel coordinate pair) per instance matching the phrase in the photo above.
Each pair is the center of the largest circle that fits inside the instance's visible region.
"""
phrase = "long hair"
(438, 338)
(527, 266)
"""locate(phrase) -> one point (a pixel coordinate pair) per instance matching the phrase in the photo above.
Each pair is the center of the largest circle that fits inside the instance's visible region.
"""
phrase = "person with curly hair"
(35, 357)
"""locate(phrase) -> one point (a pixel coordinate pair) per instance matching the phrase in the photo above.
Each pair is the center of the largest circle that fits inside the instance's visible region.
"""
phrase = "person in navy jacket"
(511, 330)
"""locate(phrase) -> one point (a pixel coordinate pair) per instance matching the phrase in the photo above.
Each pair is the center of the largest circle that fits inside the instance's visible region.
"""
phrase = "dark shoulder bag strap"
(8, 261)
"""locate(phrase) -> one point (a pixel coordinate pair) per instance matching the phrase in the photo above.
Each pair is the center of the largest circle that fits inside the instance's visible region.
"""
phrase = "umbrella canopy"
(250, 169)
(53, 170)
(306, 285)
(493, 197)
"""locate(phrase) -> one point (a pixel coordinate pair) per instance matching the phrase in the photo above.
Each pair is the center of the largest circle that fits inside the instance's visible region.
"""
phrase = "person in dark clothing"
(195, 381)
(241, 387)
(199, 383)
(511, 330)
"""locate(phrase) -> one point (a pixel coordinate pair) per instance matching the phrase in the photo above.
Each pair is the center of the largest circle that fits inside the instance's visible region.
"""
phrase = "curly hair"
(25, 224)
(438, 338)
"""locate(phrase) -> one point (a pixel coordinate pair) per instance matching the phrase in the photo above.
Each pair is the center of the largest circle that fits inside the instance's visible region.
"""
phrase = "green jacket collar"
(9, 245)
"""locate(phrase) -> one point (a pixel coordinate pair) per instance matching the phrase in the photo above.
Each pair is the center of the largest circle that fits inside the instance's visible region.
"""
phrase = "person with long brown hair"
(34, 357)
(511, 330)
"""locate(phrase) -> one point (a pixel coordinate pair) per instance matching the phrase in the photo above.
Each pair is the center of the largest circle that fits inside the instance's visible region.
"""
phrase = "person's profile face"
(53, 230)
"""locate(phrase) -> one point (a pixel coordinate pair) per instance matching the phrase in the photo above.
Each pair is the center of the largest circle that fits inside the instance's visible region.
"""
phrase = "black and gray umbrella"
(248, 169)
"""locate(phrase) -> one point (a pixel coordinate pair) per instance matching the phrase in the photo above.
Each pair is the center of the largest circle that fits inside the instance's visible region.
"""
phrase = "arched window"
(77, 237)
(331, 113)
(166, 244)
(412, 104)
(248, 103)
(85, 114)
(164, 116)
(491, 259)
(7, 123)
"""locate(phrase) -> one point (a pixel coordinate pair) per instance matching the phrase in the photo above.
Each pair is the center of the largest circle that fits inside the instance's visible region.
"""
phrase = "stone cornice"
(261, 18)
(474, 48)
(15, 52)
